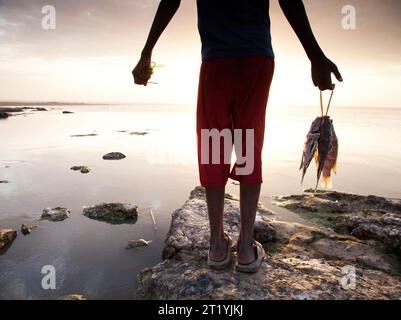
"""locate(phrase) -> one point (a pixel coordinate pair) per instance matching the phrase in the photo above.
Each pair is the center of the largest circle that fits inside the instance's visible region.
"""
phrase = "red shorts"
(232, 94)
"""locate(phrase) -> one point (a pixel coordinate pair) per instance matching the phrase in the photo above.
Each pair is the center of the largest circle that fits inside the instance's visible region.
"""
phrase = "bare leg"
(215, 206)
(249, 197)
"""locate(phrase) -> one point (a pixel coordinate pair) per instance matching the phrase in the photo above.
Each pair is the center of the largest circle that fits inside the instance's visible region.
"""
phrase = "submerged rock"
(75, 297)
(139, 133)
(27, 229)
(4, 181)
(112, 212)
(82, 169)
(302, 262)
(113, 156)
(133, 244)
(55, 214)
(84, 135)
(7, 236)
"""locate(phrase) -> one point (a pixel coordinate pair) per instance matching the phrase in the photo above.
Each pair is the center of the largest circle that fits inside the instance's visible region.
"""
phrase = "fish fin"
(334, 169)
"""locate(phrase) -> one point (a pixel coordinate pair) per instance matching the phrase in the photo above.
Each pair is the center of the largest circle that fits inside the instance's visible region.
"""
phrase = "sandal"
(254, 266)
(219, 265)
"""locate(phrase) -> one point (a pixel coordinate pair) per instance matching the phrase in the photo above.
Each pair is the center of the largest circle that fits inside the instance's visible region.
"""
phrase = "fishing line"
(328, 105)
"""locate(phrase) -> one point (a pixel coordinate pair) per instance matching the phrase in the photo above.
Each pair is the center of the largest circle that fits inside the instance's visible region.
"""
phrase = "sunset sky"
(96, 43)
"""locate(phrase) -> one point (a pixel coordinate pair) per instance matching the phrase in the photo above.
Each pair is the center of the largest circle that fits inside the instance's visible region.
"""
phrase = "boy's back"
(230, 28)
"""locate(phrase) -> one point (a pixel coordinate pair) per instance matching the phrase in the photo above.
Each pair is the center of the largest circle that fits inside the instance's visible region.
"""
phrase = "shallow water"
(160, 169)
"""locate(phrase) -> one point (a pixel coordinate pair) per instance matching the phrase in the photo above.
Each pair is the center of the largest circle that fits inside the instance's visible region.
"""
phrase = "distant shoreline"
(54, 103)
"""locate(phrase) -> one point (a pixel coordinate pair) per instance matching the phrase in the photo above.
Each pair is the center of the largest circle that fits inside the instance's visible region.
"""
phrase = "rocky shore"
(350, 250)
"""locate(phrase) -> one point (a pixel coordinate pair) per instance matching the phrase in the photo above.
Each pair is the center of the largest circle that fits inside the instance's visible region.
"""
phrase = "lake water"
(159, 172)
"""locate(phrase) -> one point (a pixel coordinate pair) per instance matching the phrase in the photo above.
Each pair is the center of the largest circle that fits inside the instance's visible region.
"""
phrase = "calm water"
(37, 151)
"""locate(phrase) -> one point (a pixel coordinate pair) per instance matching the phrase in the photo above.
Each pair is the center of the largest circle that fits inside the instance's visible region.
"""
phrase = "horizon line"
(4, 103)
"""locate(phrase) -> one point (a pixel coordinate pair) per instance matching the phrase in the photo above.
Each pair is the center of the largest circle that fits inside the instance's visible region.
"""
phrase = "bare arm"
(164, 14)
(322, 67)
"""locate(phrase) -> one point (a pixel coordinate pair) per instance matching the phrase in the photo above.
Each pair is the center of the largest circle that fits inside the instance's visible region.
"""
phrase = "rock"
(27, 228)
(133, 244)
(353, 252)
(139, 133)
(7, 236)
(55, 214)
(365, 217)
(67, 112)
(75, 297)
(112, 212)
(302, 262)
(4, 115)
(114, 156)
(4, 181)
(82, 169)
(35, 108)
(11, 109)
(84, 135)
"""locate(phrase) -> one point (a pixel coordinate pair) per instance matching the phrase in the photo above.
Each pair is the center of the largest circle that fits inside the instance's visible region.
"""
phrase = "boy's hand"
(143, 70)
(322, 68)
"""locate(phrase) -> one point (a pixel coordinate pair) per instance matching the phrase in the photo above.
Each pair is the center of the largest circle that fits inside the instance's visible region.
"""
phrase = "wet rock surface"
(82, 169)
(27, 228)
(55, 214)
(133, 244)
(7, 236)
(113, 156)
(112, 212)
(303, 262)
(75, 297)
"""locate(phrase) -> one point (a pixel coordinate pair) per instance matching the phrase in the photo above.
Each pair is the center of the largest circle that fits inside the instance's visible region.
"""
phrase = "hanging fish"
(330, 164)
(310, 145)
(324, 145)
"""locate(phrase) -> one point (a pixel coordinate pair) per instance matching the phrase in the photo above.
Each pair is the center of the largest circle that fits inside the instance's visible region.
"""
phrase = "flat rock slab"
(113, 156)
(303, 262)
(112, 212)
(6, 237)
(55, 214)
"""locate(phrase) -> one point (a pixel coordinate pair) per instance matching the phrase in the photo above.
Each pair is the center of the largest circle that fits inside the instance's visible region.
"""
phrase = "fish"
(310, 145)
(324, 145)
(330, 164)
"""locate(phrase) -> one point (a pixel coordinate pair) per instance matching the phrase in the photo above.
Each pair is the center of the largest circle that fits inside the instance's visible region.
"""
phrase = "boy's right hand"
(143, 70)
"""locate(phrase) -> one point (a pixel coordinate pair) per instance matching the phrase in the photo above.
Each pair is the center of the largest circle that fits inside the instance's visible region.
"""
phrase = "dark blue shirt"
(233, 28)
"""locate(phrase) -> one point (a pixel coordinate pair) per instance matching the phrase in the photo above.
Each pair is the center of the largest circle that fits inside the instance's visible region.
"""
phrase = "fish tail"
(327, 182)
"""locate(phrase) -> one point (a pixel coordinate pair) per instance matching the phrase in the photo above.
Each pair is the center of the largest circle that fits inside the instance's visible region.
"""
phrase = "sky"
(89, 56)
